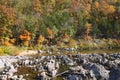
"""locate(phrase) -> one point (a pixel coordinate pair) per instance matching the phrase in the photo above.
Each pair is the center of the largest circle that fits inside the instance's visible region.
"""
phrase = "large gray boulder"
(96, 70)
(74, 77)
(115, 74)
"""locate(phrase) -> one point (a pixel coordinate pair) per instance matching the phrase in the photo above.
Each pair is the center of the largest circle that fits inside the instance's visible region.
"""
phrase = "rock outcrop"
(69, 67)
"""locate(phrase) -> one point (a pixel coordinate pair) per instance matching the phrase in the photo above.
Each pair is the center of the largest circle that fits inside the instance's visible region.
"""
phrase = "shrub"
(40, 39)
(12, 50)
(72, 43)
(1, 51)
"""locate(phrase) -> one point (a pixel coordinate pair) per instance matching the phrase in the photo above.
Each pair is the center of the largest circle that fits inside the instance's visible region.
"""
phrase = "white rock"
(57, 65)
(50, 65)
(53, 73)
(43, 74)
(1, 65)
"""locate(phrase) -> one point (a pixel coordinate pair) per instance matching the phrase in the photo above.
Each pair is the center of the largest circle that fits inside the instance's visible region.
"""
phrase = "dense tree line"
(34, 21)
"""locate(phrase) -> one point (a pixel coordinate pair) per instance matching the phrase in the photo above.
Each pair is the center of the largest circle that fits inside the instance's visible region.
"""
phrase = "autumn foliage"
(27, 22)
(36, 7)
(50, 33)
(40, 39)
(25, 37)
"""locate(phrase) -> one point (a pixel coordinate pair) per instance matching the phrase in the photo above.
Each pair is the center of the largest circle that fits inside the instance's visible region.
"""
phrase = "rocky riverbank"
(61, 67)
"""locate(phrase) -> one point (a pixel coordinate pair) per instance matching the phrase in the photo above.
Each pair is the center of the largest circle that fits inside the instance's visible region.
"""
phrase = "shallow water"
(30, 74)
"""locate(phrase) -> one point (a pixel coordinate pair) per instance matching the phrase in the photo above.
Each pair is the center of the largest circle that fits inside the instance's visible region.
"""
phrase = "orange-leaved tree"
(25, 37)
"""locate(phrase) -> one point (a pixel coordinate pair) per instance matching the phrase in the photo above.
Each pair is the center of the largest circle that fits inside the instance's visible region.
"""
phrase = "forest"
(59, 39)
(65, 23)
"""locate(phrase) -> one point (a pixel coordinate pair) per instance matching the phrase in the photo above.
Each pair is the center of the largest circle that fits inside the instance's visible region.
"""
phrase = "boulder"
(57, 65)
(50, 65)
(3, 77)
(10, 69)
(95, 57)
(97, 70)
(2, 65)
(43, 76)
(53, 73)
(74, 77)
(117, 61)
(115, 74)
(82, 61)
(78, 70)
(67, 61)
(26, 62)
